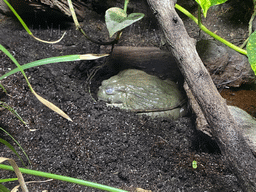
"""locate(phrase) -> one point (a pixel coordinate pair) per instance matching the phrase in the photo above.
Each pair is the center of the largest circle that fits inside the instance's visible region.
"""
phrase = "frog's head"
(111, 91)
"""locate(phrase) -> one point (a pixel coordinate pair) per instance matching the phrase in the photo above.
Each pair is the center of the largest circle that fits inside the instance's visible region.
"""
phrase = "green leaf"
(63, 178)
(12, 148)
(8, 180)
(3, 188)
(117, 19)
(58, 59)
(251, 51)
(206, 4)
(26, 27)
(6, 106)
(18, 145)
(194, 164)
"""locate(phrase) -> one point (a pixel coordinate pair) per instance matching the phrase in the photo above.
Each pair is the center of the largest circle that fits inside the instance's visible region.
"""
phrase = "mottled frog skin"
(138, 91)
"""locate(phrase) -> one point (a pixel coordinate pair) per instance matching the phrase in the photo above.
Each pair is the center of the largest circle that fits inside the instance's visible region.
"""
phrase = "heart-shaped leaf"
(117, 19)
(251, 51)
(206, 4)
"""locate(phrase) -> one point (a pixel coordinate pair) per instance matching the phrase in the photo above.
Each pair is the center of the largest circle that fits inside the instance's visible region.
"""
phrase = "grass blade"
(8, 180)
(64, 178)
(72, 10)
(47, 103)
(12, 148)
(4, 105)
(51, 106)
(3, 88)
(3, 189)
(15, 167)
(26, 27)
(17, 144)
(51, 60)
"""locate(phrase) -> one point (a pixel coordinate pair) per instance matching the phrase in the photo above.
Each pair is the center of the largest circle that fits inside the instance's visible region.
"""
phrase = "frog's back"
(146, 91)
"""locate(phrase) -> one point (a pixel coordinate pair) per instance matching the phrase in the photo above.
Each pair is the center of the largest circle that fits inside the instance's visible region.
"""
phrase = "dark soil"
(102, 144)
(242, 97)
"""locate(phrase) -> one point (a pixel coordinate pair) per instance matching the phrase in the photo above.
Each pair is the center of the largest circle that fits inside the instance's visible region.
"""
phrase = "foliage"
(194, 164)
(206, 4)
(251, 45)
(115, 24)
(4, 105)
(63, 178)
(26, 27)
(3, 188)
(251, 50)
(203, 28)
(117, 19)
(12, 148)
(17, 172)
(70, 58)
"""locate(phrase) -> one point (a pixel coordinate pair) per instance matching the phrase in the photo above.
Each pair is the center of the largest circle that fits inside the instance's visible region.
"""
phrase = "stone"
(246, 123)
(227, 67)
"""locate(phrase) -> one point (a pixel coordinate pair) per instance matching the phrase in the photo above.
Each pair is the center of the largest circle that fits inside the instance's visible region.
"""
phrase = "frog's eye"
(110, 91)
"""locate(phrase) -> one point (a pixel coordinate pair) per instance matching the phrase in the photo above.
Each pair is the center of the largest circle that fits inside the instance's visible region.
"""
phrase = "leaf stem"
(78, 27)
(187, 13)
(125, 5)
(199, 16)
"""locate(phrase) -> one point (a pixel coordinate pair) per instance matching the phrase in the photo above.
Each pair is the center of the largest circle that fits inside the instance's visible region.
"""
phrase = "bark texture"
(147, 59)
(224, 128)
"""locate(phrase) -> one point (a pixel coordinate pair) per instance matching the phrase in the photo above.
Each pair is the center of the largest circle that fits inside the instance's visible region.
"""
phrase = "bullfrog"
(137, 91)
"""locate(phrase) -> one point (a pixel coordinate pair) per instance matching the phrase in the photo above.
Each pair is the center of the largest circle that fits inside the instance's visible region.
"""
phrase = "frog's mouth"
(179, 105)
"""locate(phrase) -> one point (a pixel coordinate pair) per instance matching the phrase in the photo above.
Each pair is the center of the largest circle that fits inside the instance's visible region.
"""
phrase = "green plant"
(194, 164)
(3, 188)
(63, 178)
(6, 143)
(26, 27)
(4, 105)
(117, 19)
(116, 22)
(12, 148)
(251, 45)
(205, 5)
(46, 61)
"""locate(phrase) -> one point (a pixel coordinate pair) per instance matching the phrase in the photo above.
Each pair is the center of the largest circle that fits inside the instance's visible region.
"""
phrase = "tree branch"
(233, 146)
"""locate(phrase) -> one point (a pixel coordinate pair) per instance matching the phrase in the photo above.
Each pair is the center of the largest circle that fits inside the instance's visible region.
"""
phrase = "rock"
(140, 92)
(3, 7)
(246, 123)
(226, 66)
